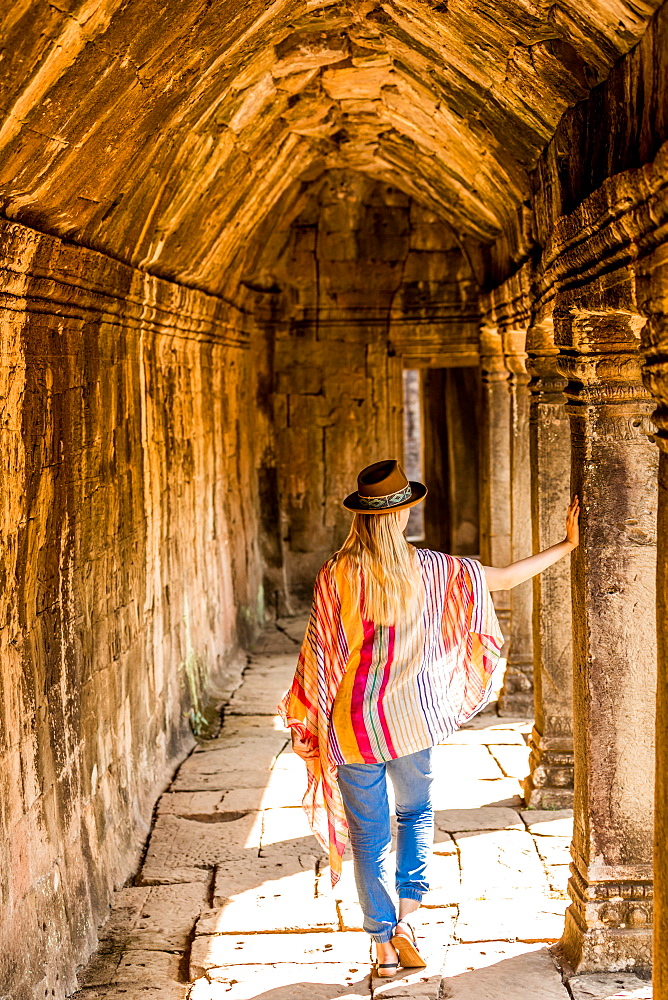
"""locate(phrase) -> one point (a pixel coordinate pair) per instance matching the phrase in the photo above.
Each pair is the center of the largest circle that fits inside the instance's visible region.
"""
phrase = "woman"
(399, 652)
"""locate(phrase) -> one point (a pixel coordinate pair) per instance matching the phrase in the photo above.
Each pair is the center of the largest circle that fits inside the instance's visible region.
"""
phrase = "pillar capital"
(492, 359)
(600, 359)
(655, 371)
(547, 383)
(514, 349)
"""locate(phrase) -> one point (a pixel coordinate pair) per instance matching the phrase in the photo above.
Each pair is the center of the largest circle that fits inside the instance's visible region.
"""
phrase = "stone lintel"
(424, 357)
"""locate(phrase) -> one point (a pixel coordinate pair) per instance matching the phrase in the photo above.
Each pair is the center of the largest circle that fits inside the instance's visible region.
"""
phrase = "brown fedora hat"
(383, 487)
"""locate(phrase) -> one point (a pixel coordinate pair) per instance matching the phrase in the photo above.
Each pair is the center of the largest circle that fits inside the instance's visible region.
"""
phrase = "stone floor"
(233, 899)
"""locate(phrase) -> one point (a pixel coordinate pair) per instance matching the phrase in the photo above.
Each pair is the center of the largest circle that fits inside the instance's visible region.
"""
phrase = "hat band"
(391, 500)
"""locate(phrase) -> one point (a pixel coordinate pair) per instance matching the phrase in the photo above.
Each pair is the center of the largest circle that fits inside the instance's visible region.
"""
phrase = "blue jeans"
(364, 792)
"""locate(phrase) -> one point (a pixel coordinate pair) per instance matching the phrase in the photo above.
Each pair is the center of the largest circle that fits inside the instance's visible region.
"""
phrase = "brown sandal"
(376, 966)
(394, 966)
(409, 956)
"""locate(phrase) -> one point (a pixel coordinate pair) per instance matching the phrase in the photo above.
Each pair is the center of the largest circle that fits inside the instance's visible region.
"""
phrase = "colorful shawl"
(369, 693)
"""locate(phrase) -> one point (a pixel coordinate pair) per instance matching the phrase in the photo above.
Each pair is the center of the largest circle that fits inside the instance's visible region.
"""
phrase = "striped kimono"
(366, 693)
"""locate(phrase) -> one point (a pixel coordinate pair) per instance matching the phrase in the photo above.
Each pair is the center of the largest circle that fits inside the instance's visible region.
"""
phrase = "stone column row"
(581, 424)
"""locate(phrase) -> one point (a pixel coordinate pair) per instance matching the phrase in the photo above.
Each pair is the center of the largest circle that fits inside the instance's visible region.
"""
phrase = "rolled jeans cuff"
(383, 938)
(408, 893)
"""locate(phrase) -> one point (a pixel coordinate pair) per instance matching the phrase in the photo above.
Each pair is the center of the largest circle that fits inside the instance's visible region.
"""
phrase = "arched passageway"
(228, 231)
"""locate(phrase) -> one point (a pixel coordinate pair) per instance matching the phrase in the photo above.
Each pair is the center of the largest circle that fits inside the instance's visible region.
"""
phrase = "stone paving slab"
(554, 850)
(501, 971)
(282, 791)
(219, 781)
(263, 684)
(491, 720)
(167, 990)
(268, 875)
(189, 803)
(132, 966)
(520, 918)
(285, 981)
(557, 879)
(280, 825)
(238, 754)
(179, 845)
(289, 761)
(294, 627)
(444, 845)
(513, 760)
(290, 882)
(610, 986)
(444, 879)
(252, 700)
(218, 951)
(238, 737)
(413, 987)
(549, 822)
(452, 792)
(484, 818)
(302, 846)
(501, 863)
(155, 918)
(275, 641)
(258, 913)
(257, 726)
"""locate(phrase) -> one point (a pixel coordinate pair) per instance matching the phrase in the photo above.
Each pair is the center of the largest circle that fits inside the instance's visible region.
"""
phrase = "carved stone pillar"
(550, 781)
(654, 285)
(516, 698)
(614, 470)
(495, 464)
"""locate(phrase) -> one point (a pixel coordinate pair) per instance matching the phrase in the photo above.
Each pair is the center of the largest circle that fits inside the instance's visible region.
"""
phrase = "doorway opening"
(441, 448)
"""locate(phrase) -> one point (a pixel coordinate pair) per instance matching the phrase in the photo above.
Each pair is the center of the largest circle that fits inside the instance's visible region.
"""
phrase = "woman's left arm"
(507, 577)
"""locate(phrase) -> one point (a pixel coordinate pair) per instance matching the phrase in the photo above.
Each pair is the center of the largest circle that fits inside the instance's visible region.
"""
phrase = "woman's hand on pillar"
(507, 577)
(573, 522)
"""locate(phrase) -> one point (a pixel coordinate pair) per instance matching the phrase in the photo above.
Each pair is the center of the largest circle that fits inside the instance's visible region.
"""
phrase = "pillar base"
(549, 784)
(608, 924)
(516, 697)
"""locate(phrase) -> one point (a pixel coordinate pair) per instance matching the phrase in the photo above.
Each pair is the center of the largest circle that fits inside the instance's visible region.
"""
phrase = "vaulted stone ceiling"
(164, 132)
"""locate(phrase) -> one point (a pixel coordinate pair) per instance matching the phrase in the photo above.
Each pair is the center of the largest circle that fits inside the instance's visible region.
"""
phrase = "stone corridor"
(247, 248)
(233, 898)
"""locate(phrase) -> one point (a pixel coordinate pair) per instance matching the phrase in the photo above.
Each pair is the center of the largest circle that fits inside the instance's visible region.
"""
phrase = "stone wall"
(129, 573)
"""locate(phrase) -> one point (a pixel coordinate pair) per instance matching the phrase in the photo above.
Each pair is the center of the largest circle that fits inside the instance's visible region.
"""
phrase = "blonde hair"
(376, 551)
